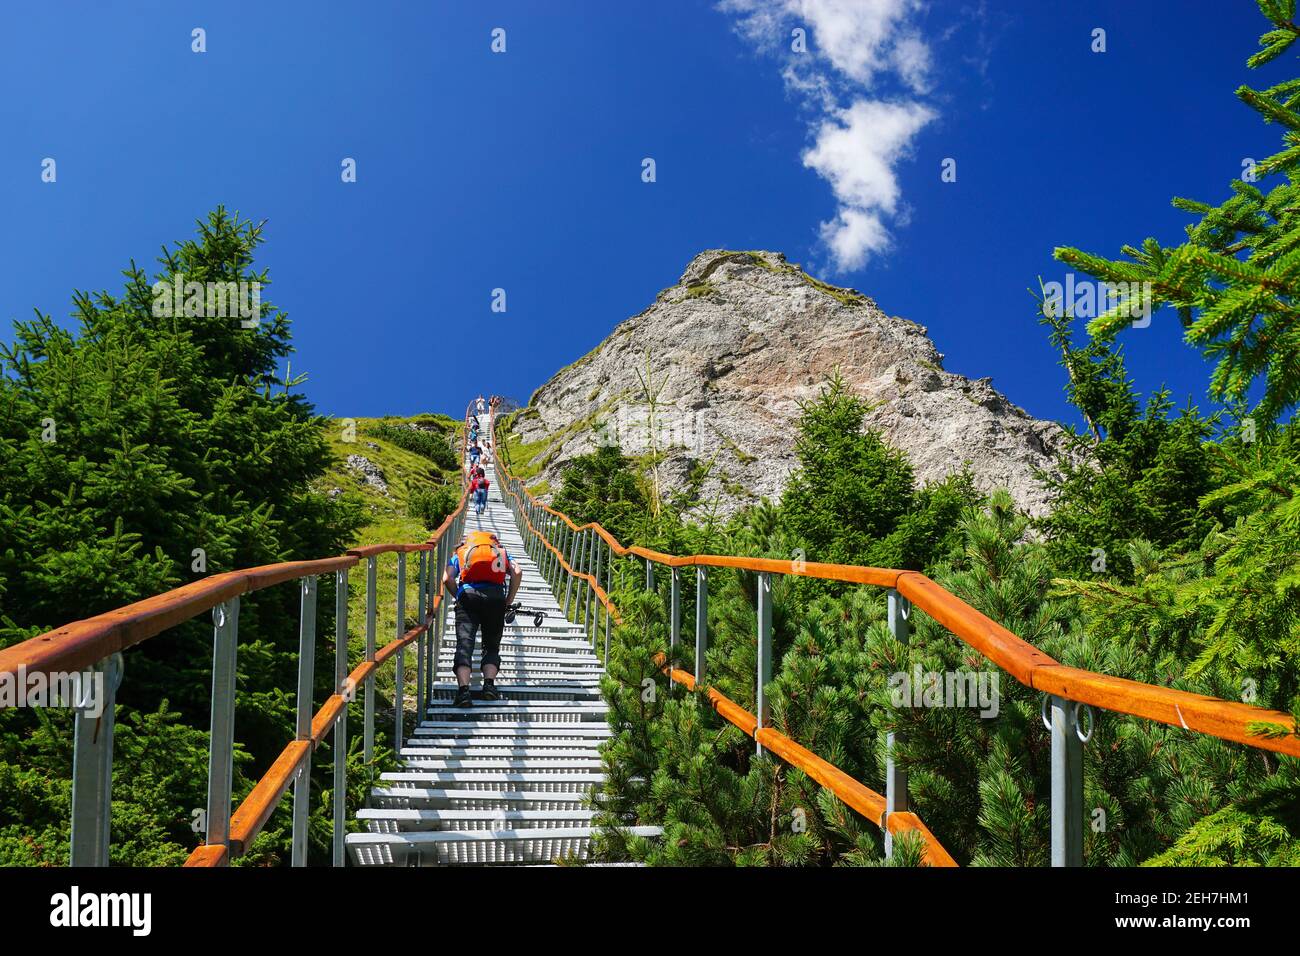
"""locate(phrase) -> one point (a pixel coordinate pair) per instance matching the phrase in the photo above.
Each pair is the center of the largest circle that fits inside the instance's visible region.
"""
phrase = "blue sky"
(522, 170)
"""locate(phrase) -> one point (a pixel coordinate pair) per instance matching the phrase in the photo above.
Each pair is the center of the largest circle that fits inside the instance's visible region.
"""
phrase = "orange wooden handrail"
(82, 644)
(854, 794)
(1227, 720)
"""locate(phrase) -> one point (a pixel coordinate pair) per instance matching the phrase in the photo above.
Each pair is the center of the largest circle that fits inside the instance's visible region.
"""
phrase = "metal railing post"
(701, 621)
(221, 745)
(596, 604)
(1067, 784)
(306, 677)
(92, 763)
(568, 586)
(609, 589)
(440, 615)
(399, 691)
(675, 610)
(589, 596)
(649, 575)
(763, 710)
(341, 725)
(368, 719)
(674, 617)
(423, 621)
(900, 614)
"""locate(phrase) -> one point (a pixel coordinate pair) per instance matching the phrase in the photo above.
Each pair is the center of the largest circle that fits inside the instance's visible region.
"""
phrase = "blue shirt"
(489, 586)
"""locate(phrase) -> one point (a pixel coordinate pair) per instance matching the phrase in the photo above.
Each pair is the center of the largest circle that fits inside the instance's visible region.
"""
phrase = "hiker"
(479, 486)
(474, 453)
(479, 405)
(476, 578)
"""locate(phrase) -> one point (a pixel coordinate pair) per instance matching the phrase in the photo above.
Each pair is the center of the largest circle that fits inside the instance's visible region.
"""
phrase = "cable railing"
(96, 646)
(567, 550)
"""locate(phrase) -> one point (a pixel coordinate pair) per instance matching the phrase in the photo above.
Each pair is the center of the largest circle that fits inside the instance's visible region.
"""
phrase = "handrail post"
(589, 597)
(595, 623)
(437, 603)
(674, 619)
(701, 621)
(609, 589)
(573, 556)
(368, 720)
(763, 709)
(221, 745)
(399, 696)
(649, 575)
(675, 610)
(423, 609)
(306, 678)
(900, 614)
(92, 764)
(1067, 784)
(341, 725)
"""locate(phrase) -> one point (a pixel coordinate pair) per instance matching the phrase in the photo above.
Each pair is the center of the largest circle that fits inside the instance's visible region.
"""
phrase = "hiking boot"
(490, 691)
(462, 698)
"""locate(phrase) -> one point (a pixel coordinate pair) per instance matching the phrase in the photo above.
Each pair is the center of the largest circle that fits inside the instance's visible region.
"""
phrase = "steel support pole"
(368, 719)
(1067, 784)
(675, 610)
(600, 553)
(900, 616)
(423, 621)
(701, 621)
(92, 763)
(674, 619)
(221, 746)
(568, 585)
(436, 594)
(306, 678)
(589, 562)
(341, 725)
(763, 710)
(649, 575)
(399, 690)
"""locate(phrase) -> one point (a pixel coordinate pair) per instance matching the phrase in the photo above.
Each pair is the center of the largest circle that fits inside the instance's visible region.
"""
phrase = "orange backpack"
(482, 559)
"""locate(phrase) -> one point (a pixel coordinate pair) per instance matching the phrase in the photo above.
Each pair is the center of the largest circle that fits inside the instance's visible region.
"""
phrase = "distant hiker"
(476, 577)
(479, 405)
(480, 491)
(474, 453)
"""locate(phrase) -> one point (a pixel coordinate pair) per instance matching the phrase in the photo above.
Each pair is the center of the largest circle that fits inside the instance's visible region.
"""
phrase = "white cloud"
(855, 47)
(856, 151)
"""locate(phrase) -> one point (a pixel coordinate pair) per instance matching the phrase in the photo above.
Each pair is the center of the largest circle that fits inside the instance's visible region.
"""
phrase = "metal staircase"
(502, 782)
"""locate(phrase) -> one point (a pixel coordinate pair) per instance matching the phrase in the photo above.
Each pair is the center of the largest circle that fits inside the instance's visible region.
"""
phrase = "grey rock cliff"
(736, 345)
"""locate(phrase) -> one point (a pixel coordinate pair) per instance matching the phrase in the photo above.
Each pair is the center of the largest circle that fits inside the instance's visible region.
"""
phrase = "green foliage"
(432, 505)
(1141, 474)
(124, 446)
(853, 499)
(603, 487)
(431, 445)
(1234, 282)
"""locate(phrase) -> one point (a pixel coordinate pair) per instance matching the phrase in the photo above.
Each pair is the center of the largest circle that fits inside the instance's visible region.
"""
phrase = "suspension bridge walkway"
(518, 780)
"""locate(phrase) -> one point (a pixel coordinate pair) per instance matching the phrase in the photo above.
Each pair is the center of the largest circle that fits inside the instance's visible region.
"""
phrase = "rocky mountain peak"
(734, 347)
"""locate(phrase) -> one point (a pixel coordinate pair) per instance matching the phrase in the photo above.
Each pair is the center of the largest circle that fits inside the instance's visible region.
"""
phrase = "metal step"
(480, 847)
(511, 781)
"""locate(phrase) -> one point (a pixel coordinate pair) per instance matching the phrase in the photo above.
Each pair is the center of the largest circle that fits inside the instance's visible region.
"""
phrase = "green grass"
(387, 523)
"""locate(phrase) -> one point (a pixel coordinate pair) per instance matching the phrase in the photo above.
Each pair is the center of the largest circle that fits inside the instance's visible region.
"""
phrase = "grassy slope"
(388, 523)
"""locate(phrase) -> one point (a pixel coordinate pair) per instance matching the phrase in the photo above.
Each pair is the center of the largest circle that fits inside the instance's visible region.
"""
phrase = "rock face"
(370, 473)
(734, 347)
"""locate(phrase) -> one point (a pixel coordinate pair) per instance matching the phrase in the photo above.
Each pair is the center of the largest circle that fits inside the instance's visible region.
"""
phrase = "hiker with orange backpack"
(476, 578)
